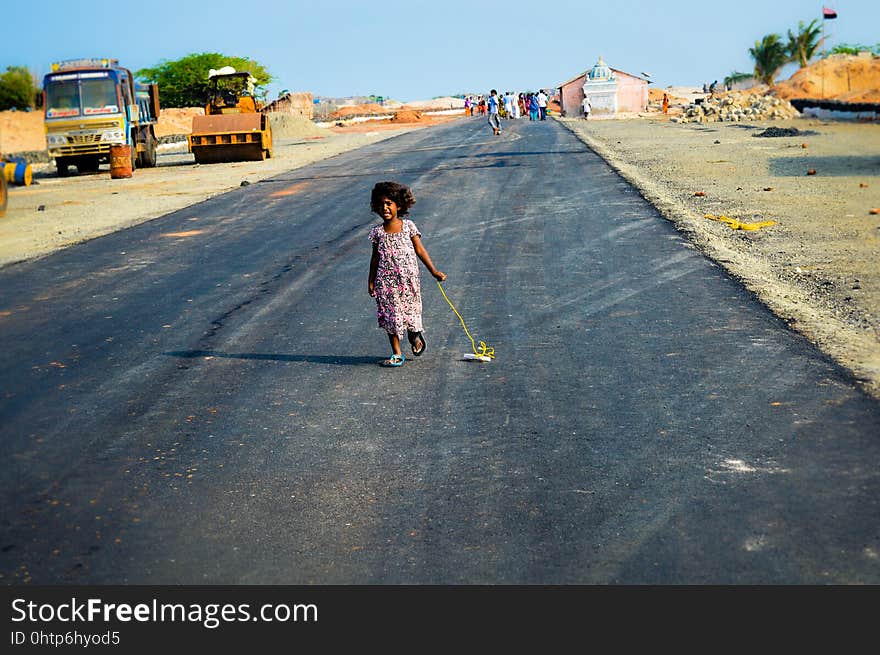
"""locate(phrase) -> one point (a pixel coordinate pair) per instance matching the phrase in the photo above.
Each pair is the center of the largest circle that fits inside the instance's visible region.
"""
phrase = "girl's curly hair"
(401, 194)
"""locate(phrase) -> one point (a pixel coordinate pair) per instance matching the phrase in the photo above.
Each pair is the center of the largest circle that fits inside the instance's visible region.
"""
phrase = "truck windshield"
(72, 97)
(62, 99)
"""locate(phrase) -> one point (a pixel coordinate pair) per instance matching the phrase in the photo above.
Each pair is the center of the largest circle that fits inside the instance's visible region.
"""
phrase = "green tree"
(854, 49)
(770, 54)
(184, 82)
(17, 88)
(803, 46)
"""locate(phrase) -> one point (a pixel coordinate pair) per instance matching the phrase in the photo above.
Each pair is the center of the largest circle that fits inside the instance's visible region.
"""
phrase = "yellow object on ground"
(735, 224)
(484, 353)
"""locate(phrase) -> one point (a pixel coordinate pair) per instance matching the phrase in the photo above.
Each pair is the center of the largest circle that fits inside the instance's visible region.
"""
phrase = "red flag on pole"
(828, 14)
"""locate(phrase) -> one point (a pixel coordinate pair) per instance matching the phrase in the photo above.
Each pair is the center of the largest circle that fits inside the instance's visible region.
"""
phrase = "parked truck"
(91, 104)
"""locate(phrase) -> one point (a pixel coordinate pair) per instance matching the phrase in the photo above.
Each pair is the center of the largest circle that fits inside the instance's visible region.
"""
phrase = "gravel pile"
(737, 107)
(772, 132)
(292, 126)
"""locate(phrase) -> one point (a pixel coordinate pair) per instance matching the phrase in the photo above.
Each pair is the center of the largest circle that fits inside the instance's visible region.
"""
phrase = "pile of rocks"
(737, 107)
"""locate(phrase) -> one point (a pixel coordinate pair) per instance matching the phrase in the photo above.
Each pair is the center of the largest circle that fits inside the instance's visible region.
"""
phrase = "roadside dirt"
(818, 266)
(21, 131)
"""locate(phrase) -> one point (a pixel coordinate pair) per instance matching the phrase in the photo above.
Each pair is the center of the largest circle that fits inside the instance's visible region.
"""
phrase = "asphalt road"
(197, 400)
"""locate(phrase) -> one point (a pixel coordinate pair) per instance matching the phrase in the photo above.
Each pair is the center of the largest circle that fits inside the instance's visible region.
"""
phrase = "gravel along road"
(197, 399)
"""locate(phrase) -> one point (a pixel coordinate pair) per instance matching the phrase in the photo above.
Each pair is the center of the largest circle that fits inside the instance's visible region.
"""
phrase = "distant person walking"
(542, 104)
(508, 105)
(665, 104)
(588, 107)
(533, 107)
(494, 121)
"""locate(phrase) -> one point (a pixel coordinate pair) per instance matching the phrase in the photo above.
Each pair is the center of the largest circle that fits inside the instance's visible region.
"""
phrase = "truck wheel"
(63, 167)
(148, 159)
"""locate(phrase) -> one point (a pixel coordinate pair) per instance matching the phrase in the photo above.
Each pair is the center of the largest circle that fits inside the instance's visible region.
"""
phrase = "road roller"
(233, 128)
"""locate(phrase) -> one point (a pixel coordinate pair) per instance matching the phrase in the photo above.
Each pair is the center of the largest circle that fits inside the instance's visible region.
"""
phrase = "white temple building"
(612, 92)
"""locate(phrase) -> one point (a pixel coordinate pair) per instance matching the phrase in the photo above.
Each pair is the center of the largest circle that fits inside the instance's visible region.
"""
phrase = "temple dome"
(600, 71)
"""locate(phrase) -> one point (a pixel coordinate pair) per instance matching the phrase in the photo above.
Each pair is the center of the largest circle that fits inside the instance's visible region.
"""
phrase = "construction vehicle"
(91, 104)
(233, 127)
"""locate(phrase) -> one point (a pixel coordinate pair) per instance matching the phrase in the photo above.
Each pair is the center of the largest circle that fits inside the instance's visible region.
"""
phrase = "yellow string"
(735, 224)
(484, 350)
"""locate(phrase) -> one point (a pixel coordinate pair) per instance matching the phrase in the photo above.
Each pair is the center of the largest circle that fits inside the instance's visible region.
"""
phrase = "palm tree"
(770, 54)
(803, 46)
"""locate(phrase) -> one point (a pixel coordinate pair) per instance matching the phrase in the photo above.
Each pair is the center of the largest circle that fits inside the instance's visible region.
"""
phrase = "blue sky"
(413, 50)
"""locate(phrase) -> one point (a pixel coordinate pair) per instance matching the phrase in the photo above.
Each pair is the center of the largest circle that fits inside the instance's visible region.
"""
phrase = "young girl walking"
(394, 269)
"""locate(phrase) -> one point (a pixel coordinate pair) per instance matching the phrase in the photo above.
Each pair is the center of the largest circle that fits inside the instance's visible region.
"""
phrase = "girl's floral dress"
(397, 287)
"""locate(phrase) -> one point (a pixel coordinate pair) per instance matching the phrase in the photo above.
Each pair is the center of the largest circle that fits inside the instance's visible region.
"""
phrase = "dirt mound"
(21, 131)
(850, 78)
(359, 110)
(656, 95)
(406, 115)
(176, 120)
(287, 126)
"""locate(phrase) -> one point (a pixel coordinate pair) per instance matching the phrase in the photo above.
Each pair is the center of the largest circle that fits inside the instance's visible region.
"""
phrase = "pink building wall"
(572, 97)
(632, 94)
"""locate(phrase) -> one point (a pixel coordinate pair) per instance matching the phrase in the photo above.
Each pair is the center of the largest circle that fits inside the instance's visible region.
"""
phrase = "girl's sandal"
(412, 342)
(394, 360)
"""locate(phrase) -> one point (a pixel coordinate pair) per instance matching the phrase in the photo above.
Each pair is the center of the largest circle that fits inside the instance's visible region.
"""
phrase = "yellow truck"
(91, 104)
